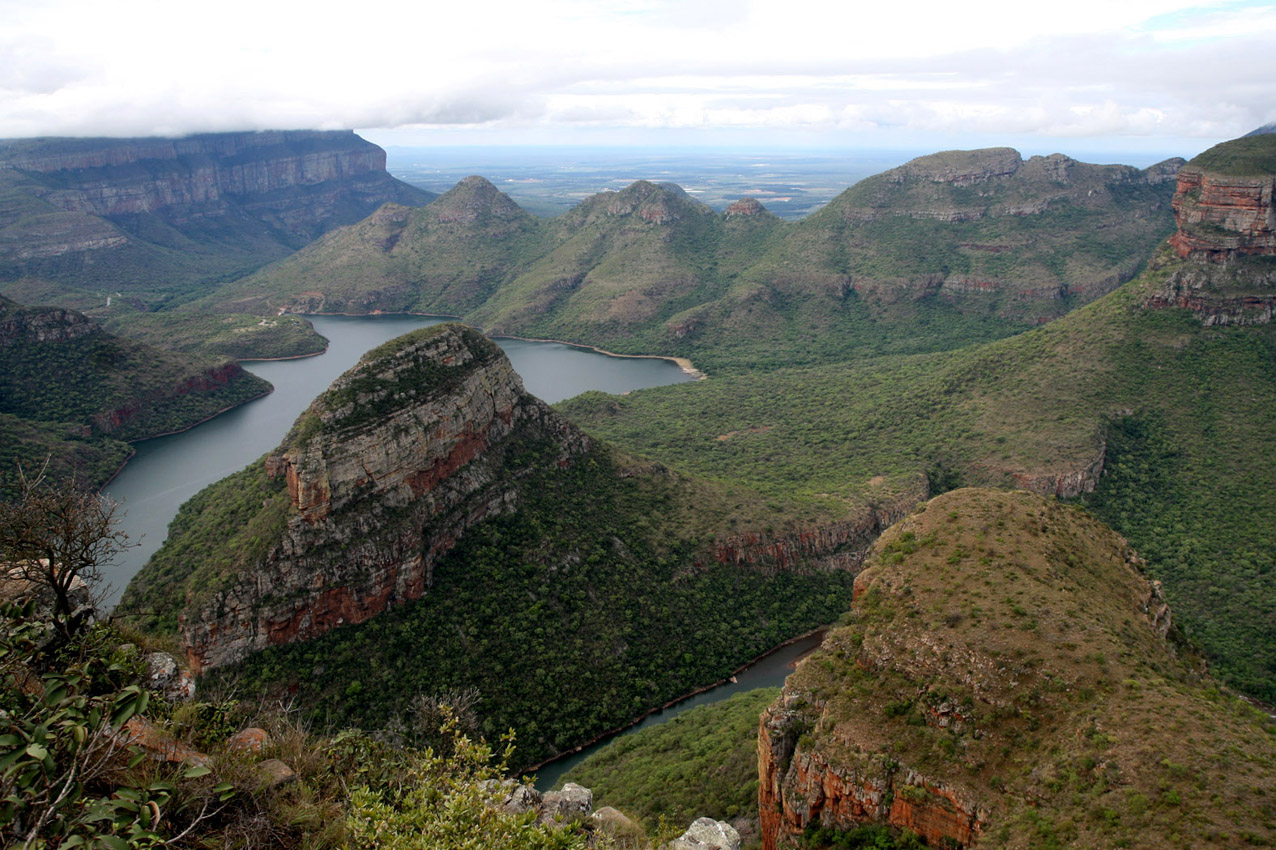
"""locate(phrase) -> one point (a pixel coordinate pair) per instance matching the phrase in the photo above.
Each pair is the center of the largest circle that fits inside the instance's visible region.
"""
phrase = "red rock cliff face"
(1221, 216)
(1226, 235)
(376, 503)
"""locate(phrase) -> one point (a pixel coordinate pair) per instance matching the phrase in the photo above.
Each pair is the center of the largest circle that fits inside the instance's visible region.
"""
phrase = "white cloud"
(1150, 68)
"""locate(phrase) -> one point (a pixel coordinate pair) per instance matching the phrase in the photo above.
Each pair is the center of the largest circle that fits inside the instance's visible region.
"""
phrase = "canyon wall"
(1221, 266)
(385, 472)
(195, 176)
(120, 213)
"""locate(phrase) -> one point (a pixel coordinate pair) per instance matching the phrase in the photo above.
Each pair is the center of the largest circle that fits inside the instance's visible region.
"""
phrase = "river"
(166, 471)
(769, 671)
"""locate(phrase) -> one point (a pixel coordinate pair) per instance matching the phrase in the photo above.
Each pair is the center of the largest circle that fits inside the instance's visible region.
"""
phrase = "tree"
(56, 536)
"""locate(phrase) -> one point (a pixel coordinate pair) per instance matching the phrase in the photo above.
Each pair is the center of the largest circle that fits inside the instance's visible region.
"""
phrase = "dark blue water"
(166, 471)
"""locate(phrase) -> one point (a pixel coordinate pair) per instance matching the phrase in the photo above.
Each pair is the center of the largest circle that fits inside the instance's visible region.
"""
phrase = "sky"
(1161, 75)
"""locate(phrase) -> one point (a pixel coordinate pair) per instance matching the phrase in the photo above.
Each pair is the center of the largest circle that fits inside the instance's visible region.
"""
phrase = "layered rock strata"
(385, 472)
(1225, 270)
(70, 202)
(1220, 216)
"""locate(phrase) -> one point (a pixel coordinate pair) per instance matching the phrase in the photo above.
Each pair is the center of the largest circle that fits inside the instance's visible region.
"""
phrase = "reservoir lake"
(166, 471)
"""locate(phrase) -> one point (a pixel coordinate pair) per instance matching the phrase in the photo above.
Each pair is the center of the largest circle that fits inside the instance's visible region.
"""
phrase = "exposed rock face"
(1220, 216)
(111, 177)
(42, 324)
(69, 202)
(838, 545)
(1225, 209)
(971, 680)
(798, 788)
(707, 834)
(385, 473)
(744, 206)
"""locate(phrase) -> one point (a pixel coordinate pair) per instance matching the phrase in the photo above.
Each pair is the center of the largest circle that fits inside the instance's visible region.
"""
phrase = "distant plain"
(548, 181)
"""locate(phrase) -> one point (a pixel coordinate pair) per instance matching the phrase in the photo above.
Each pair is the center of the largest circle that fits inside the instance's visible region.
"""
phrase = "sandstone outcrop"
(1220, 216)
(42, 325)
(974, 680)
(1225, 210)
(384, 473)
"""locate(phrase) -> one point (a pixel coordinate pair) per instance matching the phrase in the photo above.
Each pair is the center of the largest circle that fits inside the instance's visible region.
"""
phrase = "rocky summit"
(1010, 678)
(384, 473)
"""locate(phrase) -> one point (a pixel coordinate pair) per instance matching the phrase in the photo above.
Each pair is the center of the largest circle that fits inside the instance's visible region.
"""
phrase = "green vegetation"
(901, 263)
(702, 763)
(583, 594)
(1023, 411)
(1250, 156)
(67, 780)
(226, 335)
(867, 837)
(74, 393)
(1006, 650)
(214, 536)
(72, 452)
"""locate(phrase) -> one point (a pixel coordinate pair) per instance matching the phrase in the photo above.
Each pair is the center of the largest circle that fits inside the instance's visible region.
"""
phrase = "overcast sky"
(1164, 75)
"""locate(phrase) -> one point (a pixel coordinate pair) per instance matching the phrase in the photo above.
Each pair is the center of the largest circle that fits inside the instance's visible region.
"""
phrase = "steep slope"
(987, 231)
(448, 258)
(118, 227)
(59, 366)
(950, 249)
(1158, 407)
(1006, 681)
(428, 526)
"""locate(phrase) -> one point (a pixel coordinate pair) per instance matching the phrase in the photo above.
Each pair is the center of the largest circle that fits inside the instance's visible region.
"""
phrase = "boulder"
(707, 834)
(250, 740)
(164, 677)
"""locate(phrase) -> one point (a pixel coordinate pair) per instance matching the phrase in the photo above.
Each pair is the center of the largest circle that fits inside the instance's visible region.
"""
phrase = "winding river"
(166, 471)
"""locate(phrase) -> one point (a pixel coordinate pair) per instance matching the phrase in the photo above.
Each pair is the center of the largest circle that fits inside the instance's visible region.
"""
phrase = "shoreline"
(818, 630)
(211, 416)
(682, 363)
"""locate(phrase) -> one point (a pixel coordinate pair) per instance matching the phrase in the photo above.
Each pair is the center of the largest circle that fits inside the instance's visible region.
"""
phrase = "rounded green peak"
(1248, 156)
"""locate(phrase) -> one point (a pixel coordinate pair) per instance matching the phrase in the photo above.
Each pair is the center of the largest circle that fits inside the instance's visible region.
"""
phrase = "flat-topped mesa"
(385, 473)
(1225, 201)
(300, 181)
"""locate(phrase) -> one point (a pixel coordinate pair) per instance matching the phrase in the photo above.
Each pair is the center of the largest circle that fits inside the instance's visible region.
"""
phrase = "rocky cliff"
(198, 176)
(87, 212)
(1225, 210)
(1006, 680)
(384, 473)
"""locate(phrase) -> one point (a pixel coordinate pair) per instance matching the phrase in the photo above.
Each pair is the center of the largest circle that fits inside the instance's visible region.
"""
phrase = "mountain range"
(1008, 674)
(962, 245)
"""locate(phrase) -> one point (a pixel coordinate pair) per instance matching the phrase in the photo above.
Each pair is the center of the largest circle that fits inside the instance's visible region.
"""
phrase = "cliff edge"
(1223, 264)
(1006, 681)
(420, 441)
